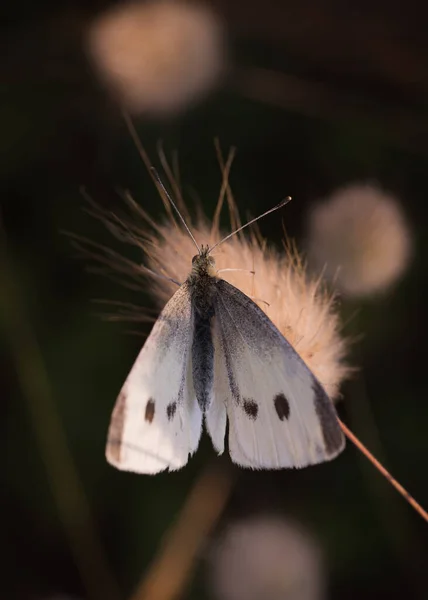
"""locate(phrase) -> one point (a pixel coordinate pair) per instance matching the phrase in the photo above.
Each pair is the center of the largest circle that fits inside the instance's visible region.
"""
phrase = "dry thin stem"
(392, 512)
(173, 179)
(170, 571)
(146, 160)
(67, 489)
(235, 221)
(135, 138)
(400, 489)
(224, 186)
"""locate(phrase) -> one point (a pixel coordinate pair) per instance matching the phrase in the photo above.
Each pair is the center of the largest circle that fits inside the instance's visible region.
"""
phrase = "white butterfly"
(213, 355)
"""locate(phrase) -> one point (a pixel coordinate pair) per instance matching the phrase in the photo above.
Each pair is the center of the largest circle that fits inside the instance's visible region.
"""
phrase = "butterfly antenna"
(280, 205)
(163, 188)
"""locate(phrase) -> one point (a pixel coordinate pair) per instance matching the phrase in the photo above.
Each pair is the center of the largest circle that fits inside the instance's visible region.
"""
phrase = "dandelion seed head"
(157, 56)
(360, 237)
(267, 557)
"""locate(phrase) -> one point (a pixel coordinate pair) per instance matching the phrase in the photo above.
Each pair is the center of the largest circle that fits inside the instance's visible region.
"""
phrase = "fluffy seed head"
(298, 305)
(157, 56)
(267, 557)
(360, 237)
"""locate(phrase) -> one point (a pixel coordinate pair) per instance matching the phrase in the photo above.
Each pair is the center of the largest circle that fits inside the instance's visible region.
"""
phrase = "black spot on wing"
(282, 406)
(332, 433)
(251, 408)
(171, 410)
(150, 410)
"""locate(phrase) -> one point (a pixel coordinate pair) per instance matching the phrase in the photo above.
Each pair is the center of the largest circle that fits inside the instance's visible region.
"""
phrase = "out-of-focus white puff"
(156, 57)
(266, 557)
(360, 237)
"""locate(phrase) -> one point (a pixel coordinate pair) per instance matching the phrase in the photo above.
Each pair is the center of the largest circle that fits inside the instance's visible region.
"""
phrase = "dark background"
(345, 99)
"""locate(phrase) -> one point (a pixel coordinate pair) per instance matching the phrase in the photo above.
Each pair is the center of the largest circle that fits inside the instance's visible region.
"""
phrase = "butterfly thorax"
(202, 264)
(201, 282)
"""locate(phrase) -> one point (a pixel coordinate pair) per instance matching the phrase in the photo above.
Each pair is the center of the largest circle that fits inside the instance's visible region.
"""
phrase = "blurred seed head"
(267, 558)
(360, 237)
(157, 56)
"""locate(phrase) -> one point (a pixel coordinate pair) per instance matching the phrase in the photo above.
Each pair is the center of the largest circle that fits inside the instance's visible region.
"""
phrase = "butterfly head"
(203, 263)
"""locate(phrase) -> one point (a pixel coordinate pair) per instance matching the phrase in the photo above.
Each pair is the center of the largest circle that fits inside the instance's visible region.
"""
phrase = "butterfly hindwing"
(279, 414)
(157, 422)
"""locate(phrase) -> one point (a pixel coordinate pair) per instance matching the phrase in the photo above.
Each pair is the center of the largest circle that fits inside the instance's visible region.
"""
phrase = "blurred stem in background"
(390, 511)
(67, 489)
(169, 573)
(322, 100)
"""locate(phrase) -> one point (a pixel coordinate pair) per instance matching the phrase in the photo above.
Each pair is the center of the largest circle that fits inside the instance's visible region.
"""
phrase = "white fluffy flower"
(360, 237)
(157, 56)
(267, 559)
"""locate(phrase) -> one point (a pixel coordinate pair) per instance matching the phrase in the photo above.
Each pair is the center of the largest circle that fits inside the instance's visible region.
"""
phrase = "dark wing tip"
(334, 439)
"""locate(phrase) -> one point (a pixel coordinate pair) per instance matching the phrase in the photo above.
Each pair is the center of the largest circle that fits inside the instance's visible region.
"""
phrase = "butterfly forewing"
(279, 414)
(157, 422)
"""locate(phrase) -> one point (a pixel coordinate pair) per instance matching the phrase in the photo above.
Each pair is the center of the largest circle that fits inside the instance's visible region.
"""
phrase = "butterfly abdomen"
(202, 294)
